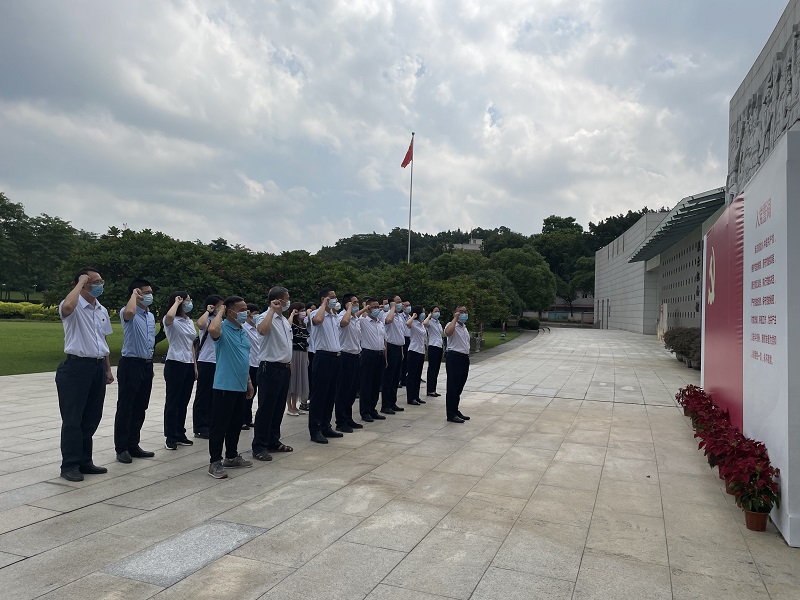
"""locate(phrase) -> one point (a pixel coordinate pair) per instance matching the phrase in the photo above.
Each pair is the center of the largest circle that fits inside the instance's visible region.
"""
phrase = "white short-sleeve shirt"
(434, 333)
(459, 341)
(85, 329)
(180, 337)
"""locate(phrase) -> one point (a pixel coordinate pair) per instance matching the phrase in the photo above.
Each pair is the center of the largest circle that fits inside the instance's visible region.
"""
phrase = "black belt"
(137, 359)
(398, 345)
(373, 351)
(86, 358)
(288, 365)
(328, 352)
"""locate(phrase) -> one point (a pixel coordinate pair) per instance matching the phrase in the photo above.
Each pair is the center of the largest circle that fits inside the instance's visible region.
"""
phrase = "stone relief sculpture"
(770, 112)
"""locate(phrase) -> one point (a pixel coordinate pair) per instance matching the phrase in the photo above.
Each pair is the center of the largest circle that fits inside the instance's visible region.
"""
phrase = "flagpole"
(410, 193)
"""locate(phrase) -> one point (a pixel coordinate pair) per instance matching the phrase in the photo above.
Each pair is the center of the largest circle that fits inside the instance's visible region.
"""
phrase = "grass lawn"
(491, 338)
(38, 346)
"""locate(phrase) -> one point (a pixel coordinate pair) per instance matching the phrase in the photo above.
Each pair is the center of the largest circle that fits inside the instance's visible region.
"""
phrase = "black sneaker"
(216, 470)
(170, 445)
(202, 436)
(187, 442)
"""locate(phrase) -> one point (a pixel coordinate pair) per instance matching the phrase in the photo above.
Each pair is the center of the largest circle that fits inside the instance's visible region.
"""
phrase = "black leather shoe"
(413, 403)
(124, 457)
(396, 408)
(344, 428)
(318, 437)
(330, 433)
(463, 416)
(377, 416)
(421, 401)
(355, 425)
(455, 420)
(387, 411)
(433, 395)
(139, 453)
(72, 475)
(367, 418)
(92, 469)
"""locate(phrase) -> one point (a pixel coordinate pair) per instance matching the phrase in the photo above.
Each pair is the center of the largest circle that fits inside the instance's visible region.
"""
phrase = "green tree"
(457, 262)
(554, 223)
(529, 273)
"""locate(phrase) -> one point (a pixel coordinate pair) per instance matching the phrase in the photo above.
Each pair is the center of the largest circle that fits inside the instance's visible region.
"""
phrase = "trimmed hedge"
(531, 323)
(28, 310)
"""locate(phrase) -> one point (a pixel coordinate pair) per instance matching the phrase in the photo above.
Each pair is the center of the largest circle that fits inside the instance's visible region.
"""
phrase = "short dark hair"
(252, 307)
(183, 294)
(347, 297)
(298, 306)
(436, 306)
(393, 296)
(276, 293)
(137, 283)
(323, 293)
(231, 300)
(310, 304)
(417, 308)
(85, 271)
(371, 300)
(213, 299)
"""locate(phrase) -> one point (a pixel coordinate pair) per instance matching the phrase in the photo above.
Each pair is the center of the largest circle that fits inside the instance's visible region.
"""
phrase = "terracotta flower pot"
(755, 521)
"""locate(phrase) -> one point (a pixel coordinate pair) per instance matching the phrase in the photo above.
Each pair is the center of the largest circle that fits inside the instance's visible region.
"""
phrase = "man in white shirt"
(325, 324)
(82, 378)
(373, 360)
(456, 363)
(395, 340)
(274, 371)
(347, 385)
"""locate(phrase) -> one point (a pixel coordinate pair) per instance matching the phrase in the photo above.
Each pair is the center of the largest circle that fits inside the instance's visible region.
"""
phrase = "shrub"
(522, 323)
(533, 324)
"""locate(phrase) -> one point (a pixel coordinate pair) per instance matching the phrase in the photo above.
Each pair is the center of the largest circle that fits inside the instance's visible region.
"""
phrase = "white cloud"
(302, 112)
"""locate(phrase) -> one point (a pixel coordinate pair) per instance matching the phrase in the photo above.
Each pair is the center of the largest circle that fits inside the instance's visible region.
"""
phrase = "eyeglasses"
(98, 282)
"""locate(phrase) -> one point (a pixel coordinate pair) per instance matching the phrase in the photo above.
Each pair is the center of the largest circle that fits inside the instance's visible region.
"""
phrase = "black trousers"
(273, 387)
(404, 366)
(135, 382)
(201, 410)
(225, 423)
(323, 395)
(247, 414)
(415, 362)
(373, 363)
(457, 365)
(81, 386)
(179, 377)
(346, 387)
(434, 364)
(391, 375)
(310, 373)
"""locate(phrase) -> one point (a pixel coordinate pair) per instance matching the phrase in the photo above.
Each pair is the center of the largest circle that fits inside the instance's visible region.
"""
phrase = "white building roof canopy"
(687, 216)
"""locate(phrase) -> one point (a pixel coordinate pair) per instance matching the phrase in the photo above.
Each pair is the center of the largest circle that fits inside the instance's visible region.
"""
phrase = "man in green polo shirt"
(232, 386)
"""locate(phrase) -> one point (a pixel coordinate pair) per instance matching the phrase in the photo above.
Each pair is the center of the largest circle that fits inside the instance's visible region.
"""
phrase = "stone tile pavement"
(577, 477)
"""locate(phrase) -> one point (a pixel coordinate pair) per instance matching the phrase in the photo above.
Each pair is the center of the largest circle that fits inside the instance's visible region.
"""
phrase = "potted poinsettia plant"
(755, 484)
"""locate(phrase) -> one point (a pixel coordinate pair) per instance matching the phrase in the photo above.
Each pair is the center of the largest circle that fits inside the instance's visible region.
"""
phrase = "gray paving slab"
(570, 480)
(168, 562)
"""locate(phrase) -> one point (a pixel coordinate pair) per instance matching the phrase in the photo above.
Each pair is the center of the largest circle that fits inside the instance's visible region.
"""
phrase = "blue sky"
(282, 125)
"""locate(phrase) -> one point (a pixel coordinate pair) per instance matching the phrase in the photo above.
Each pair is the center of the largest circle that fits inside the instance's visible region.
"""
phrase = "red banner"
(722, 321)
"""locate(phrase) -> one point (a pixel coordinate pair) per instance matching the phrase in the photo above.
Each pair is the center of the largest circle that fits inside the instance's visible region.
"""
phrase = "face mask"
(462, 318)
(436, 315)
(385, 308)
(187, 307)
(407, 310)
(375, 312)
(241, 317)
(147, 299)
(398, 308)
(96, 291)
(285, 308)
(334, 305)
(422, 316)
(354, 309)
(302, 314)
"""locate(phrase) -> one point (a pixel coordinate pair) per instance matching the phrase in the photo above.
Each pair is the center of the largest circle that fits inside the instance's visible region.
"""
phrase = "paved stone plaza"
(577, 477)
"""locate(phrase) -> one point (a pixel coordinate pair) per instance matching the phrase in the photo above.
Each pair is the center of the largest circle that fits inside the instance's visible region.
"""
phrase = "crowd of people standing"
(250, 366)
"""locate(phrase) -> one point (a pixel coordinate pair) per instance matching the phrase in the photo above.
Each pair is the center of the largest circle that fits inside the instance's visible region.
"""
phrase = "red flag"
(410, 154)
